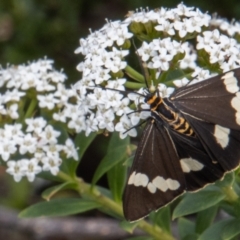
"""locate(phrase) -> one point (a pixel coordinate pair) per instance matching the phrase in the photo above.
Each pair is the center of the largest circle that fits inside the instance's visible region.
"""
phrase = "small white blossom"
(30, 168)
(7, 148)
(14, 168)
(70, 150)
(35, 124)
(27, 144)
(49, 135)
(12, 111)
(51, 164)
(125, 127)
(47, 101)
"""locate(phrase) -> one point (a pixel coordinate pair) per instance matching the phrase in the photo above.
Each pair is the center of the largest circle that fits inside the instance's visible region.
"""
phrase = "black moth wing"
(221, 144)
(215, 100)
(155, 161)
(198, 167)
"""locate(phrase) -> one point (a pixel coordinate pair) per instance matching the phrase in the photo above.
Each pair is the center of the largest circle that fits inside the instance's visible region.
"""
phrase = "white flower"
(125, 127)
(106, 120)
(47, 101)
(7, 147)
(181, 82)
(30, 168)
(42, 65)
(35, 124)
(27, 144)
(70, 150)
(78, 124)
(62, 93)
(52, 150)
(51, 164)
(12, 111)
(13, 95)
(49, 135)
(14, 168)
(91, 124)
(13, 132)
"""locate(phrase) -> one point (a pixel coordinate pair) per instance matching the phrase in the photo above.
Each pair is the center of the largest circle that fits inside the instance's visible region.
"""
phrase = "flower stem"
(31, 108)
(86, 190)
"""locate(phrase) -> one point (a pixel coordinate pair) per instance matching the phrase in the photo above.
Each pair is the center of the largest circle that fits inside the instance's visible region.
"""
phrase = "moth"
(191, 139)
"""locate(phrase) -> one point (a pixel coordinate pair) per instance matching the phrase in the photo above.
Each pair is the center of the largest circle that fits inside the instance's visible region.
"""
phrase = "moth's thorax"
(163, 109)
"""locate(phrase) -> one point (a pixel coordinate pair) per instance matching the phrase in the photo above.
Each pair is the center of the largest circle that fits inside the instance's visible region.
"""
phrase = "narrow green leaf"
(116, 153)
(50, 192)
(185, 227)
(205, 218)
(162, 218)
(195, 202)
(215, 232)
(116, 181)
(58, 207)
(127, 226)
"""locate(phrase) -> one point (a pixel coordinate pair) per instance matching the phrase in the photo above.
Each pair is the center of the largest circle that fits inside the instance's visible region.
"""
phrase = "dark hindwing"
(198, 167)
(215, 100)
(222, 144)
(155, 177)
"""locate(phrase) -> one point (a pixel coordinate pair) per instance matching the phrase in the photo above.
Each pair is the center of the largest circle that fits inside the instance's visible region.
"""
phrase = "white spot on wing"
(160, 183)
(236, 105)
(190, 164)
(230, 82)
(131, 178)
(151, 188)
(222, 135)
(141, 179)
(172, 184)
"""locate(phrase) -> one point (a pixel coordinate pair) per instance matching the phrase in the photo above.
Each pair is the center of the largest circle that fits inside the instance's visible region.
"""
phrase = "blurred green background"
(32, 29)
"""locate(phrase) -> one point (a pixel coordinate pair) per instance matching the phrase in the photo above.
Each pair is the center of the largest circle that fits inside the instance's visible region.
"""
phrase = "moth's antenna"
(144, 71)
(121, 91)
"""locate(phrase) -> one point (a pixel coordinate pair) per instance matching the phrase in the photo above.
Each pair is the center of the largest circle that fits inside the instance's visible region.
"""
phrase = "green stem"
(134, 74)
(133, 85)
(231, 195)
(31, 108)
(94, 194)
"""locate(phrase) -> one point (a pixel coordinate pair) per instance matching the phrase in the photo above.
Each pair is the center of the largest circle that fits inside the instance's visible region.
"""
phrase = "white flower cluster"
(221, 49)
(39, 146)
(167, 47)
(33, 147)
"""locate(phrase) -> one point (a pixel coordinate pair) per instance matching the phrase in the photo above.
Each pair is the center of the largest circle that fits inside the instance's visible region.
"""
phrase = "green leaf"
(116, 181)
(83, 142)
(116, 153)
(192, 236)
(226, 181)
(205, 218)
(162, 218)
(50, 192)
(127, 226)
(231, 229)
(48, 176)
(216, 231)
(140, 238)
(185, 227)
(195, 202)
(58, 207)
